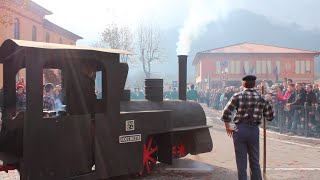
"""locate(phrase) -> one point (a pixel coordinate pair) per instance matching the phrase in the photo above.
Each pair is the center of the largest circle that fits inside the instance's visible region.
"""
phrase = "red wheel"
(182, 151)
(179, 151)
(150, 155)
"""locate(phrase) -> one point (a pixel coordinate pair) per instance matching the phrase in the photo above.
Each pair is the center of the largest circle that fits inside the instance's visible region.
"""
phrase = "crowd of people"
(52, 96)
(296, 105)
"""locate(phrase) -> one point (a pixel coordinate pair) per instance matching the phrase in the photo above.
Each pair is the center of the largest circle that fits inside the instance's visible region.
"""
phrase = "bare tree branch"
(149, 38)
(8, 10)
(116, 37)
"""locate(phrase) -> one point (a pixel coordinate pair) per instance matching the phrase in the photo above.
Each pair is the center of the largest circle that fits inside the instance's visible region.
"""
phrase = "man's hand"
(229, 129)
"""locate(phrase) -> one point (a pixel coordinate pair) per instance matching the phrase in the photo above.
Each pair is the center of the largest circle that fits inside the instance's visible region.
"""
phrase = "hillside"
(239, 26)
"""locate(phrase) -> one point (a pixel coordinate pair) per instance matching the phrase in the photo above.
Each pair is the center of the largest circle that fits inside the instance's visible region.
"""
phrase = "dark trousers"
(246, 142)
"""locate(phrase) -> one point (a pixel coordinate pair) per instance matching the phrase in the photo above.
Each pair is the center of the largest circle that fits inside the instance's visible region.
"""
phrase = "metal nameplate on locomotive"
(130, 125)
(130, 138)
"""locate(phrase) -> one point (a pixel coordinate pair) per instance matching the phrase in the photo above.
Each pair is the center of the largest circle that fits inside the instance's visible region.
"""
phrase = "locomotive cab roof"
(11, 46)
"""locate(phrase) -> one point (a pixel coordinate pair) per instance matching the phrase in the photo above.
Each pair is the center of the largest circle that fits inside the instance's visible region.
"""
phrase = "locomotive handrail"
(190, 128)
(136, 112)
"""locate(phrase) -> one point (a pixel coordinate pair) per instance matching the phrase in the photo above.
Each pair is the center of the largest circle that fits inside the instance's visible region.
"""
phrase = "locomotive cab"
(94, 129)
(50, 145)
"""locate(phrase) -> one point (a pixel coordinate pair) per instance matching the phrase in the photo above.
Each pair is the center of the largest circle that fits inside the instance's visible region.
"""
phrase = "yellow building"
(25, 20)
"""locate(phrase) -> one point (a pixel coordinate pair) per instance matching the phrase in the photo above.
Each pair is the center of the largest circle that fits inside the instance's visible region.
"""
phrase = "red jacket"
(285, 97)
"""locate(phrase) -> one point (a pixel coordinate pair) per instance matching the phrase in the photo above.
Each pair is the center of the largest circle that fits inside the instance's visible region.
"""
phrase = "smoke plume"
(201, 13)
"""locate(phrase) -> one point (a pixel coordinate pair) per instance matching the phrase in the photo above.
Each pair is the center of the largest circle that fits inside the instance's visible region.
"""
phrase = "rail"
(303, 120)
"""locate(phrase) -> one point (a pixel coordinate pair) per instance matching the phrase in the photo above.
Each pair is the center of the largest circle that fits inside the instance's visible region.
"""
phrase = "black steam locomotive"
(113, 134)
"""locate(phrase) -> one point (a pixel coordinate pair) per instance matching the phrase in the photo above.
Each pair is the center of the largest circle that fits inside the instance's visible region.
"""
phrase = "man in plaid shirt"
(249, 106)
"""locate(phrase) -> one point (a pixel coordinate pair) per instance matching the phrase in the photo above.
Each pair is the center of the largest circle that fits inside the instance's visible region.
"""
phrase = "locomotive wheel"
(179, 151)
(150, 155)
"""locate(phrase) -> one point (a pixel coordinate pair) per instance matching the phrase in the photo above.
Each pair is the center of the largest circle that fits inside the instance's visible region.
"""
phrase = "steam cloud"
(201, 13)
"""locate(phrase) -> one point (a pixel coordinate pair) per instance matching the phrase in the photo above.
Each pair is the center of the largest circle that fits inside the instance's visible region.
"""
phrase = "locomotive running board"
(189, 128)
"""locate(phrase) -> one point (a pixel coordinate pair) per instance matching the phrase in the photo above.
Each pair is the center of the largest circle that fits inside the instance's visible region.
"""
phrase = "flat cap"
(249, 78)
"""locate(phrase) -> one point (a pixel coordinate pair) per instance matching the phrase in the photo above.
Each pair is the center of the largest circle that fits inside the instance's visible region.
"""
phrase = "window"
(238, 67)
(16, 28)
(53, 76)
(302, 67)
(270, 70)
(258, 67)
(232, 67)
(47, 37)
(297, 67)
(308, 67)
(60, 41)
(278, 67)
(264, 67)
(21, 90)
(218, 69)
(34, 33)
(98, 86)
(247, 67)
(198, 69)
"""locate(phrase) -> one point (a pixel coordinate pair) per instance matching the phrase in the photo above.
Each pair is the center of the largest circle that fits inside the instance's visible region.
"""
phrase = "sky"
(89, 18)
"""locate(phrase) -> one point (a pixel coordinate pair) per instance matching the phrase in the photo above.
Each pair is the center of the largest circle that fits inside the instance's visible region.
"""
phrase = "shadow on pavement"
(186, 169)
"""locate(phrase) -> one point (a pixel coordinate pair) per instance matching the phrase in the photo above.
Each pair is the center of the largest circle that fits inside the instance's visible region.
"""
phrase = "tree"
(116, 37)
(148, 46)
(9, 8)
(51, 77)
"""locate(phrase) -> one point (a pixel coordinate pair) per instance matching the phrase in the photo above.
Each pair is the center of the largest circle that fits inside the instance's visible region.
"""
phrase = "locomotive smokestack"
(182, 77)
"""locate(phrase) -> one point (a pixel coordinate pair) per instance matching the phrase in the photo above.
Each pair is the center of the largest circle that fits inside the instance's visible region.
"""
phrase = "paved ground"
(287, 158)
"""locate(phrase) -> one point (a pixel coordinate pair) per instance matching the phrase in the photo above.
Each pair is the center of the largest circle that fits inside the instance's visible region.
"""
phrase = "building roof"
(252, 48)
(257, 48)
(37, 8)
(55, 28)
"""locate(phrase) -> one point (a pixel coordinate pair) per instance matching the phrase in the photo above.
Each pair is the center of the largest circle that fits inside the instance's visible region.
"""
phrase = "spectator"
(288, 98)
(174, 94)
(310, 96)
(297, 105)
(288, 94)
(133, 94)
(167, 94)
(316, 92)
(140, 94)
(61, 93)
(278, 93)
(21, 83)
(57, 100)
(207, 97)
(228, 93)
(285, 86)
(192, 94)
(266, 85)
(259, 88)
(309, 105)
(48, 100)
(20, 99)
(217, 97)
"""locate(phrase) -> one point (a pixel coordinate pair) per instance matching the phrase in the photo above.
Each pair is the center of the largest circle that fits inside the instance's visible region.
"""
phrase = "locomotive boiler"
(111, 133)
